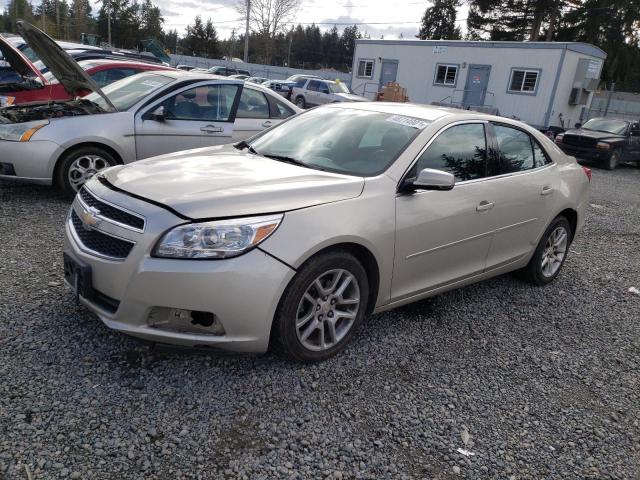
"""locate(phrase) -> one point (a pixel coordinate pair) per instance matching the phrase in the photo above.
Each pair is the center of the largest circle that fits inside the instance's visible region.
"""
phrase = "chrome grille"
(111, 212)
(100, 243)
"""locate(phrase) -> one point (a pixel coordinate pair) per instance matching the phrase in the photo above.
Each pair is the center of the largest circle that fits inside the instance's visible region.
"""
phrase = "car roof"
(95, 62)
(424, 112)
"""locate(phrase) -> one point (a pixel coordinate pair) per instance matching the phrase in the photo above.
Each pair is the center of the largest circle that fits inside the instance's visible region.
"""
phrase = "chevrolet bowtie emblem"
(89, 217)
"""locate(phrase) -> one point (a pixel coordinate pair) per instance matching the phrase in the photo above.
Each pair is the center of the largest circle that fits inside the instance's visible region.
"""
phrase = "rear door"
(525, 194)
(199, 115)
(311, 92)
(256, 112)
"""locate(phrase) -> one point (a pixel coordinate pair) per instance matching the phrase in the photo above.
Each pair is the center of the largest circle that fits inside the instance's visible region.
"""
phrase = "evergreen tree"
(439, 21)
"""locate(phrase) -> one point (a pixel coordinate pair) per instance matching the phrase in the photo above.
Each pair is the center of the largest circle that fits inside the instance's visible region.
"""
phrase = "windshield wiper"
(244, 144)
(285, 159)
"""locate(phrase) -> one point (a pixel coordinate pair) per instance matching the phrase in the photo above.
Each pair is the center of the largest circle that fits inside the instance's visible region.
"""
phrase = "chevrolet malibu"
(291, 238)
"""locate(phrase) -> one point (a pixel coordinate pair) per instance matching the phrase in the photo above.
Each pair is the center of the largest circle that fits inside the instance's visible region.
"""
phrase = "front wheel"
(321, 308)
(550, 253)
(614, 160)
(79, 165)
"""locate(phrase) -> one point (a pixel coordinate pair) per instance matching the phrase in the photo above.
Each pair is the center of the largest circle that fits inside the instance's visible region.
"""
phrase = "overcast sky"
(378, 17)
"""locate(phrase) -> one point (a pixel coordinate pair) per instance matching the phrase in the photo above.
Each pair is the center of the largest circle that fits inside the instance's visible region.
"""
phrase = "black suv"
(608, 141)
(227, 71)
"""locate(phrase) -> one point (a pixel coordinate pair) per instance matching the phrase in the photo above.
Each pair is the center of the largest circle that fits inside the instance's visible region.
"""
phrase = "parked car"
(38, 86)
(300, 79)
(257, 80)
(239, 76)
(282, 87)
(228, 71)
(608, 141)
(186, 68)
(319, 92)
(144, 115)
(339, 212)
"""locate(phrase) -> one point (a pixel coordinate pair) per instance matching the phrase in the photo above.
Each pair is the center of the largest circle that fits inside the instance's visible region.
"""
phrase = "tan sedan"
(292, 238)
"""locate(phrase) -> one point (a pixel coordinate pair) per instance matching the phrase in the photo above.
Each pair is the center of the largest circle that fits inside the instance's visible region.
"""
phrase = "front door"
(389, 72)
(475, 89)
(194, 116)
(444, 236)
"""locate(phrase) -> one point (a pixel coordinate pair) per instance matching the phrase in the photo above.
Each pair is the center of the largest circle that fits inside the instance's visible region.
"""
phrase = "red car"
(37, 87)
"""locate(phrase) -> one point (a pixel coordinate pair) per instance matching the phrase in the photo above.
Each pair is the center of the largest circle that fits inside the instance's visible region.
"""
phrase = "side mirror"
(578, 125)
(325, 90)
(430, 179)
(157, 115)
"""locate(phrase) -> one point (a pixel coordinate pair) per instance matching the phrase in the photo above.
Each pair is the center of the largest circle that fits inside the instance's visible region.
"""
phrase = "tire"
(300, 102)
(541, 272)
(302, 329)
(614, 160)
(69, 176)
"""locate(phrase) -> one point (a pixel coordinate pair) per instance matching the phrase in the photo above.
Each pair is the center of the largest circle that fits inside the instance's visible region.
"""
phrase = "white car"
(319, 92)
(144, 115)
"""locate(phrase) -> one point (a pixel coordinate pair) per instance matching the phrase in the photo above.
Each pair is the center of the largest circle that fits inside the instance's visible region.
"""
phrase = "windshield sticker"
(152, 83)
(407, 121)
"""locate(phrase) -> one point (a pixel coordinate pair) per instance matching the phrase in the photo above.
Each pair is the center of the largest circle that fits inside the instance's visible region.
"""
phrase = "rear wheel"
(614, 160)
(79, 165)
(321, 308)
(549, 257)
(300, 102)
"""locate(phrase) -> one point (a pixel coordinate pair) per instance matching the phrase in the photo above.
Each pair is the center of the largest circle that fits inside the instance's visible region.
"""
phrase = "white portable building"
(542, 83)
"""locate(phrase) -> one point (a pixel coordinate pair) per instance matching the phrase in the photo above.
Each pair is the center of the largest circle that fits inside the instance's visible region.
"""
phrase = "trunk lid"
(66, 70)
(218, 182)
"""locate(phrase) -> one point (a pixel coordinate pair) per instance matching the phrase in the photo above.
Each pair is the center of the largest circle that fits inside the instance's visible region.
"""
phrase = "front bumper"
(242, 292)
(586, 153)
(31, 161)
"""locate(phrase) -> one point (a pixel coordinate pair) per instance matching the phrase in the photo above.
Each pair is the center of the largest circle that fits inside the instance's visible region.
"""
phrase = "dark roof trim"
(579, 47)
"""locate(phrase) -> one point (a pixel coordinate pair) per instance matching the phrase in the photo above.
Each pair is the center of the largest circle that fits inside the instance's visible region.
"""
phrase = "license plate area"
(78, 275)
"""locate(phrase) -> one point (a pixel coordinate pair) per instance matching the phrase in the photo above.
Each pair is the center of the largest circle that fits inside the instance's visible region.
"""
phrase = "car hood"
(351, 97)
(18, 61)
(594, 134)
(224, 182)
(66, 70)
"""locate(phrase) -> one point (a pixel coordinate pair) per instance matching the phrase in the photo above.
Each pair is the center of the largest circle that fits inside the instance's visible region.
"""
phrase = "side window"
(365, 68)
(324, 88)
(205, 103)
(253, 104)
(446, 75)
(300, 82)
(282, 111)
(313, 85)
(540, 158)
(461, 150)
(516, 150)
(105, 77)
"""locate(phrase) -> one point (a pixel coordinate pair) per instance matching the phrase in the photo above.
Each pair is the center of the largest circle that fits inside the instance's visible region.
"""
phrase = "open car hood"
(72, 77)
(18, 61)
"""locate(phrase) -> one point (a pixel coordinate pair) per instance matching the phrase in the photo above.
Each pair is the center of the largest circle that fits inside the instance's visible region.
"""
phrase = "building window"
(524, 81)
(446, 75)
(365, 68)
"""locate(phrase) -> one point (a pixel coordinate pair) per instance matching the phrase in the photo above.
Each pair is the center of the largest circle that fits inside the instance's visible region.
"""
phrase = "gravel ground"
(535, 382)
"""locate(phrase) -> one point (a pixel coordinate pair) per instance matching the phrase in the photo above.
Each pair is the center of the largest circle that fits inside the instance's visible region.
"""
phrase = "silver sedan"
(292, 238)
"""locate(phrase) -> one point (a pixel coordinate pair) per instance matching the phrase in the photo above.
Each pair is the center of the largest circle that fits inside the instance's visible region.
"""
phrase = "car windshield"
(608, 125)
(338, 87)
(343, 140)
(127, 92)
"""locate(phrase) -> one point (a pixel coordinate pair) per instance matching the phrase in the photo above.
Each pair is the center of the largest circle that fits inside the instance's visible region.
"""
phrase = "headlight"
(603, 146)
(221, 239)
(20, 132)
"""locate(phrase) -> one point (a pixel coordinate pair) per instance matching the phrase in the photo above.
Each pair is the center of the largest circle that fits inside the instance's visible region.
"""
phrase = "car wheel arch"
(572, 216)
(116, 155)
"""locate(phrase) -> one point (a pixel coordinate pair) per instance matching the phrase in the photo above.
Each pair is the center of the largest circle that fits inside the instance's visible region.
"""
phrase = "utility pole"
(289, 53)
(109, 22)
(606, 109)
(246, 33)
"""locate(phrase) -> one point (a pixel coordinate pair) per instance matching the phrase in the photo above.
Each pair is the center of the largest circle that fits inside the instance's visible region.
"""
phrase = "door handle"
(484, 206)
(546, 190)
(267, 123)
(211, 129)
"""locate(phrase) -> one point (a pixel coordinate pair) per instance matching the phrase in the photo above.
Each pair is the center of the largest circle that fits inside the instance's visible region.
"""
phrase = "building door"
(475, 89)
(389, 72)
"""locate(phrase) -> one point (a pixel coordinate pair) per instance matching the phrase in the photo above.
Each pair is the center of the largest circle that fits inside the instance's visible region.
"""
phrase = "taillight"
(587, 172)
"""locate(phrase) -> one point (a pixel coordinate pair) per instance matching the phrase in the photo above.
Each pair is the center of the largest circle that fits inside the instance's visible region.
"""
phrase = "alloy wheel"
(327, 310)
(554, 251)
(83, 168)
